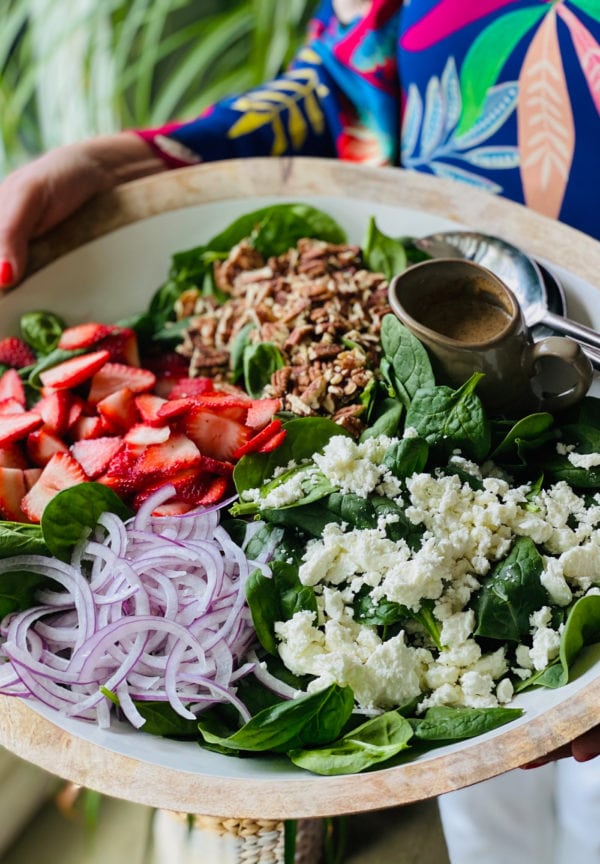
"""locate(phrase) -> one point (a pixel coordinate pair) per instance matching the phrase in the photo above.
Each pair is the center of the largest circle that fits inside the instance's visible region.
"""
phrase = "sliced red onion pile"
(149, 610)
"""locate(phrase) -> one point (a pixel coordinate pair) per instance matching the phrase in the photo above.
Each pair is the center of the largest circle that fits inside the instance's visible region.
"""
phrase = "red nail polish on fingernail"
(7, 274)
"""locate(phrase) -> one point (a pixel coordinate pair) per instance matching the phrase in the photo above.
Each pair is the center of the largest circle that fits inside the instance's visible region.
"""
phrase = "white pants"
(546, 815)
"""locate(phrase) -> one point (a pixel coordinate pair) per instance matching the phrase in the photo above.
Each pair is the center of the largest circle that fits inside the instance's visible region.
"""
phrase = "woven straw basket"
(213, 840)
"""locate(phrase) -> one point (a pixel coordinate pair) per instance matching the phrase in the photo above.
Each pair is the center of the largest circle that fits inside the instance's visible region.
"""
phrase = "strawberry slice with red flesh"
(174, 408)
(32, 475)
(12, 456)
(118, 410)
(142, 435)
(55, 410)
(192, 486)
(261, 412)
(83, 335)
(14, 427)
(61, 472)
(12, 492)
(166, 460)
(16, 353)
(94, 455)
(11, 386)
(225, 405)
(172, 508)
(43, 444)
(115, 376)
(273, 443)
(119, 475)
(254, 444)
(190, 388)
(86, 428)
(122, 344)
(214, 435)
(75, 371)
(148, 406)
(11, 406)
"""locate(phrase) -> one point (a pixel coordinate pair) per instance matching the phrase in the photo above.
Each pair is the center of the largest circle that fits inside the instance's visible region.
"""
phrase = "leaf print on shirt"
(587, 49)
(545, 122)
(429, 133)
(289, 105)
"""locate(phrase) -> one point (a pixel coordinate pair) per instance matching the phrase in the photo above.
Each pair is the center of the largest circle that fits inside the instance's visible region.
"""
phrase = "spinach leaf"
(348, 508)
(405, 364)
(584, 439)
(17, 538)
(276, 599)
(18, 589)
(41, 330)
(314, 719)
(511, 593)
(260, 360)
(385, 420)
(237, 351)
(374, 742)
(74, 512)
(304, 437)
(530, 431)
(451, 419)
(407, 457)
(383, 254)
(443, 723)
(386, 613)
(263, 600)
(581, 628)
(162, 720)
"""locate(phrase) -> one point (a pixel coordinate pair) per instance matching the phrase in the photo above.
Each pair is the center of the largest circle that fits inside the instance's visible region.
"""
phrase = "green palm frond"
(131, 63)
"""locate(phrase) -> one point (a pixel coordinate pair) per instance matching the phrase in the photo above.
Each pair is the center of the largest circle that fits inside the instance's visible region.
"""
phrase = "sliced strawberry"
(214, 491)
(87, 428)
(75, 411)
(225, 405)
(143, 435)
(214, 435)
(83, 335)
(115, 376)
(11, 406)
(61, 472)
(75, 371)
(174, 408)
(254, 444)
(15, 353)
(118, 410)
(120, 472)
(166, 460)
(216, 466)
(12, 492)
(148, 406)
(32, 475)
(11, 386)
(13, 427)
(55, 410)
(186, 388)
(12, 456)
(261, 412)
(94, 455)
(273, 443)
(122, 344)
(43, 444)
(172, 508)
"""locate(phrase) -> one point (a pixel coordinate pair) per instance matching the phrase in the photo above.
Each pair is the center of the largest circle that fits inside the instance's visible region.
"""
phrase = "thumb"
(21, 203)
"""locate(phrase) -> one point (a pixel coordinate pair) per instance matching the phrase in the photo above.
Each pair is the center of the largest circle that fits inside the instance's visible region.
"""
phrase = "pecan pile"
(317, 303)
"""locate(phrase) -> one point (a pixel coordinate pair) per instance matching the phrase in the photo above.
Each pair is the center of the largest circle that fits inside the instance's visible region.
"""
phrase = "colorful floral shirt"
(501, 94)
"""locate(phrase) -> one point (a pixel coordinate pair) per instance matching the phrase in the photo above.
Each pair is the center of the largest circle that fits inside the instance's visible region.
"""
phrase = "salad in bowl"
(249, 516)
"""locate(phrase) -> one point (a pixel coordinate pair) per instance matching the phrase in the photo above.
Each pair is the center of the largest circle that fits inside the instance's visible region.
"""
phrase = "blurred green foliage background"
(73, 68)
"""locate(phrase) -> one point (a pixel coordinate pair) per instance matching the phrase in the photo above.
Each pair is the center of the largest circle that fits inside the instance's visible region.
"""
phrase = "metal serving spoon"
(521, 273)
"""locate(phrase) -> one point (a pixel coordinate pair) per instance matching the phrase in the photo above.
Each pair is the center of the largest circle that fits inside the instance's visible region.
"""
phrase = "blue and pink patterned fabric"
(500, 94)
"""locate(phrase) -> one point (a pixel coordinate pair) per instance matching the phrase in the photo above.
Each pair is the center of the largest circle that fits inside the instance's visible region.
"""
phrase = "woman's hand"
(39, 195)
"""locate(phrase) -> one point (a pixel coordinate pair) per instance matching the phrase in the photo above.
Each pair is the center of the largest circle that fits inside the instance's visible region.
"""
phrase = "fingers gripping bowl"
(335, 794)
